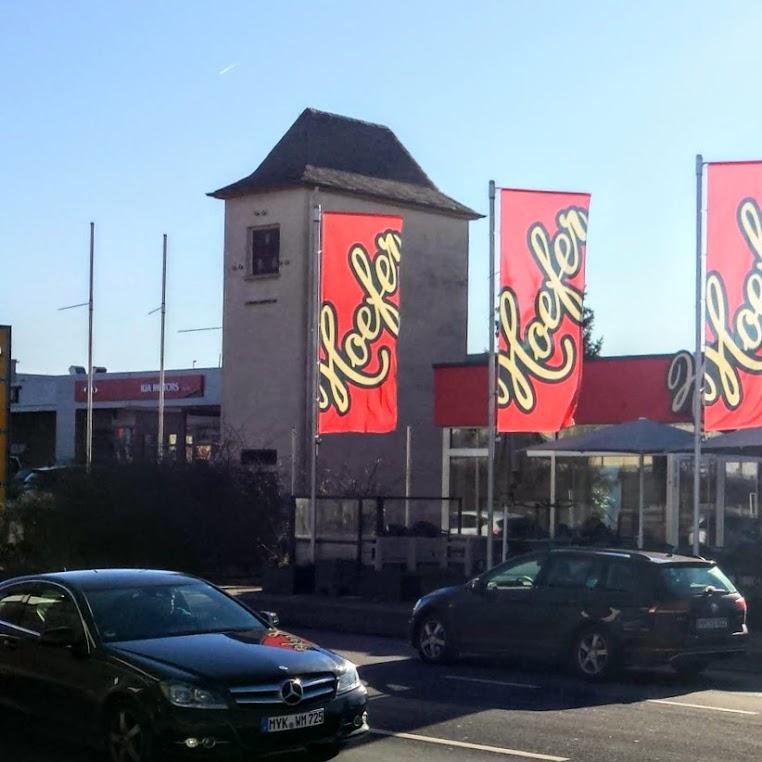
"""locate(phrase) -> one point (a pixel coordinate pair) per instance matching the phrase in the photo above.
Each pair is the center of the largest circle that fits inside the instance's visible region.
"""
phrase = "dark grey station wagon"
(596, 609)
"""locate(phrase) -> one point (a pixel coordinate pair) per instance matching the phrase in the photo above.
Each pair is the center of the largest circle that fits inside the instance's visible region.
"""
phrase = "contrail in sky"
(227, 69)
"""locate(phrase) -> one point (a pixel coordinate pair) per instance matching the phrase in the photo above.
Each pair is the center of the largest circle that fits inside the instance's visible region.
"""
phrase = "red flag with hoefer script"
(543, 239)
(359, 322)
(733, 355)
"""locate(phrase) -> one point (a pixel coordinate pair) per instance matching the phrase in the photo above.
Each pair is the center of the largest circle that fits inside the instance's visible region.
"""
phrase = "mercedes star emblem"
(292, 692)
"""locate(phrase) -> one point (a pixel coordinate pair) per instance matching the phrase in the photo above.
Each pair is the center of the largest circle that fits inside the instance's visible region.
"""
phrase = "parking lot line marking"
(472, 746)
(701, 706)
(490, 682)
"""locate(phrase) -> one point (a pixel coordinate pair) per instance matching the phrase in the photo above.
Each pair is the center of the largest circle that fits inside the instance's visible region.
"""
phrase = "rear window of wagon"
(690, 579)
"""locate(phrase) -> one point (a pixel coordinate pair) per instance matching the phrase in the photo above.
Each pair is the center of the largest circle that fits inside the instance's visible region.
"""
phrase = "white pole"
(160, 435)
(408, 471)
(317, 220)
(552, 518)
(698, 364)
(640, 503)
(491, 407)
(89, 433)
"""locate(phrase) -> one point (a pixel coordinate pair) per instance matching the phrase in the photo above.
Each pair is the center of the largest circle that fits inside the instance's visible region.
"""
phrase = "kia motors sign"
(140, 388)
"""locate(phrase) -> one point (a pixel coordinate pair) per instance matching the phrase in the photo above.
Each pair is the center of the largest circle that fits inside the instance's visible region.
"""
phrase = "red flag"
(359, 322)
(733, 376)
(543, 238)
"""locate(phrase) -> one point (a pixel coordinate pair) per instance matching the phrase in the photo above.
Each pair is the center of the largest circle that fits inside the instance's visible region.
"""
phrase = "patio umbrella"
(742, 442)
(641, 437)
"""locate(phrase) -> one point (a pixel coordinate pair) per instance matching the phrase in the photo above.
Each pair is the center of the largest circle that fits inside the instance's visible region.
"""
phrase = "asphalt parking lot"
(477, 710)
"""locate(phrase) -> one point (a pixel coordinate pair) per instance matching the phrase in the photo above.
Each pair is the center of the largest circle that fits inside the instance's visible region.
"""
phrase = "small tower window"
(264, 247)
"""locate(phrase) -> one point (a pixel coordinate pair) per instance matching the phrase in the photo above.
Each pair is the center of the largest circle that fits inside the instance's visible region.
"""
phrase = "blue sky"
(117, 112)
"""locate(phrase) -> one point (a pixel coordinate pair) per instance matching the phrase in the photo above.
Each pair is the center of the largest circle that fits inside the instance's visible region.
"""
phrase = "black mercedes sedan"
(150, 664)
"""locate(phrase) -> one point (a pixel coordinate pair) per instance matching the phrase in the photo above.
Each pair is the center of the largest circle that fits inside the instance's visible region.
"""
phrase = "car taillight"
(740, 604)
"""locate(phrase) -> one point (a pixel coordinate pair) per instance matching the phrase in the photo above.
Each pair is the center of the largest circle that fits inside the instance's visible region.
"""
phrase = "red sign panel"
(733, 375)
(613, 390)
(543, 239)
(140, 388)
(359, 322)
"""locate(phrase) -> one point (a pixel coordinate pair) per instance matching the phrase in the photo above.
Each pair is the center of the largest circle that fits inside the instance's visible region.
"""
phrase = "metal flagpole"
(552, 516)
(89, 434)
(641, 484)
(408, 474)
(698, 363)
(293, 462)
(160, 437)
(491, 408)
(317, 220)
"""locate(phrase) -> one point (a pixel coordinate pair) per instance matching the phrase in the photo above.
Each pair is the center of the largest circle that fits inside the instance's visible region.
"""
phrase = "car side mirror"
(59, 636)
(478, 586)
(271, 618)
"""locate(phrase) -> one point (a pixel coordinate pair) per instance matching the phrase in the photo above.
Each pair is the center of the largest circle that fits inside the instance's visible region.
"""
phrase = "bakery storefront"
(596, 496)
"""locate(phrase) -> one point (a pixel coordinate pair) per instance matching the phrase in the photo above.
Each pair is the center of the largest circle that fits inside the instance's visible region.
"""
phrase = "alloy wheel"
(432, 640)
(593, 654)
(126, 738)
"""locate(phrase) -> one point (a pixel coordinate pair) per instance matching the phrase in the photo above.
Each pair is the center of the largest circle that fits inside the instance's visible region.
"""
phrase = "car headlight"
(192, 697)
(348, 679)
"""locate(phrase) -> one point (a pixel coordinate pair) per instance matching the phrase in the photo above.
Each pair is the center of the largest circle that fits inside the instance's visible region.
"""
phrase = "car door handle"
(10, 644)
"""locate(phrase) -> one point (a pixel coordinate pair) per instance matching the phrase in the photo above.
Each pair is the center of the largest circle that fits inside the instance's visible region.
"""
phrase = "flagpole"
(89, 433)
(317, 220)
(491, 408)
(160, 436)
(698, 364)
(408, 471)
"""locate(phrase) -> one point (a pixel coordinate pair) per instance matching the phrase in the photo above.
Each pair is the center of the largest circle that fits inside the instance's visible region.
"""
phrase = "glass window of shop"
(707, 503)
(468, 438)
(741, 494)
(468, 482)
(596, 497)
(728, 502)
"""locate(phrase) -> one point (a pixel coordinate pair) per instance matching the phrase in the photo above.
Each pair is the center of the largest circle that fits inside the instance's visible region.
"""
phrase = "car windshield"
(685, 579)
(141, 613)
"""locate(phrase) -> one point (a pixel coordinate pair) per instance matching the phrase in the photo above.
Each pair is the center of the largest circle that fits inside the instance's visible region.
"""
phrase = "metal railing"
(353, 520)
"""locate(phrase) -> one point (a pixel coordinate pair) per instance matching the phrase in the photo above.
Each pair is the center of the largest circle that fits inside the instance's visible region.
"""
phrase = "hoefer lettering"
(346, 361)
(737, 340)
(535, 355)
(681, 378)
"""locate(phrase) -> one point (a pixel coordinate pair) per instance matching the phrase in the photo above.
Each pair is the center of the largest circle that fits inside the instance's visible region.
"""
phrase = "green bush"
(207, 518)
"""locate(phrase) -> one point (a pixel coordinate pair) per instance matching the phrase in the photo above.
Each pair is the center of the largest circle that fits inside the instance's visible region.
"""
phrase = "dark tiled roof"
(348, 155)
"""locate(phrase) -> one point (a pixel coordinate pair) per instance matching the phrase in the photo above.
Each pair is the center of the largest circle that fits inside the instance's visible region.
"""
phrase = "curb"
(323, 613)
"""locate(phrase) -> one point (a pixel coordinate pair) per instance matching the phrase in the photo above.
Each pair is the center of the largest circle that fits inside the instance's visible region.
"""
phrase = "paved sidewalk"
(391, 619)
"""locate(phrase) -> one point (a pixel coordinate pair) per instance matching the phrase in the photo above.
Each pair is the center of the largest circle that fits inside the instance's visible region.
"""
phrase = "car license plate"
(712, 623)
(293, 721)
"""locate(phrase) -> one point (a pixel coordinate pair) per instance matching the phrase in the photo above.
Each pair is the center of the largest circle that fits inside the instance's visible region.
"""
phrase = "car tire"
(690, 668)
(129, 736)
(594, 654)
(433, 640)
